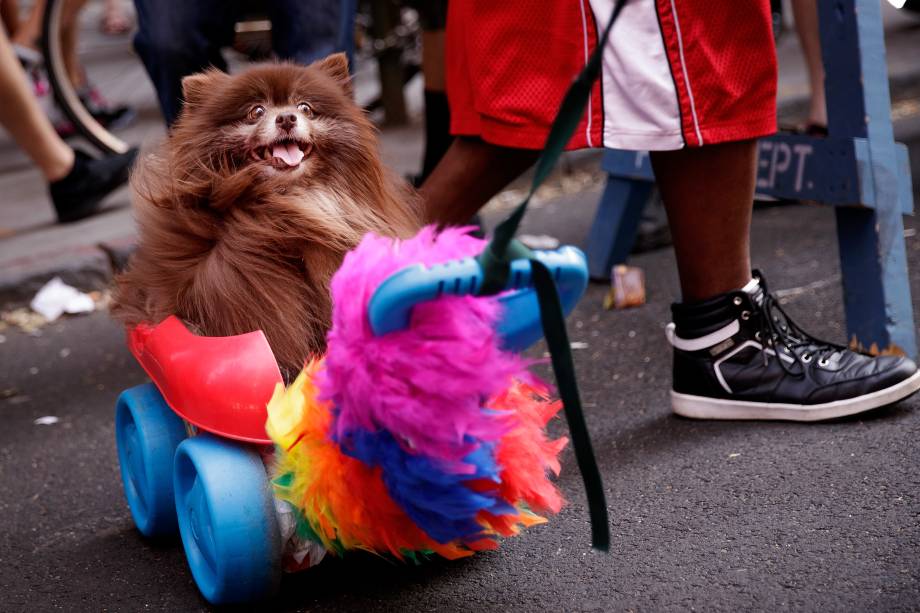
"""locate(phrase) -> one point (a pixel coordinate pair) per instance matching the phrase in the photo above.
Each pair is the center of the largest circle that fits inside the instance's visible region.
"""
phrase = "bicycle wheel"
(64, 92)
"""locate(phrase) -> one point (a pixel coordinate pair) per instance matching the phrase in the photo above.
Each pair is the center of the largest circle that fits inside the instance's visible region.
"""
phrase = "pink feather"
(425, 385)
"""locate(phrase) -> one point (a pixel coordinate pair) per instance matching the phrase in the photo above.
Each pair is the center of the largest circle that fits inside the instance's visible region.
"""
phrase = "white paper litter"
(47, 420)
(57, 298)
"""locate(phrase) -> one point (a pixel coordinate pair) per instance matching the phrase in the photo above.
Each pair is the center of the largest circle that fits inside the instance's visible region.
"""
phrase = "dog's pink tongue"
(289, 153)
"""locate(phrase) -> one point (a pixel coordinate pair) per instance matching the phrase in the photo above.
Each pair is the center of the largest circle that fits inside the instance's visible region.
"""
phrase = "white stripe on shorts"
(640, 107)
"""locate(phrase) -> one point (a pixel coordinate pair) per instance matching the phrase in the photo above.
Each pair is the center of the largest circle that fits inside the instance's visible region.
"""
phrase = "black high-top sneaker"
(739, 356)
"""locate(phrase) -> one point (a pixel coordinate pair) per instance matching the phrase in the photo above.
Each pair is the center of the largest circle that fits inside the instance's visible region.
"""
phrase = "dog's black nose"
(286, 121)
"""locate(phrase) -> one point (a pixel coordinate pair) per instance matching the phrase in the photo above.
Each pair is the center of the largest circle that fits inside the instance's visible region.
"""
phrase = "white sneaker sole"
(701, 407)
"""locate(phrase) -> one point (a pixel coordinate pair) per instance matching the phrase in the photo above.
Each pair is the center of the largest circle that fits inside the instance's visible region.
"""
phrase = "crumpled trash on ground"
(299, 553)
(627, 288)
(57, 298)
(25, 319)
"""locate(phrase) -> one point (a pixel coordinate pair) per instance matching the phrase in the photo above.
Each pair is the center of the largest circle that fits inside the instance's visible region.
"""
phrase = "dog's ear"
(336, 66)
(196, 86)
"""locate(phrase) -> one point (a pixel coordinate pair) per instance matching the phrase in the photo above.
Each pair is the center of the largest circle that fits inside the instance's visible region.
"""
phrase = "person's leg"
(737, 355)
(69, 24)
(710, 220)
(176, 38)
(469, 174)
(308, 30)
(21, 115)
(806, 26)
(77, 182)
(106, 114)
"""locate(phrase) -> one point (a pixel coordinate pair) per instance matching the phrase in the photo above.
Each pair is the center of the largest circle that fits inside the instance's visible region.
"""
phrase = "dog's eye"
(256, 113)
(305, 108)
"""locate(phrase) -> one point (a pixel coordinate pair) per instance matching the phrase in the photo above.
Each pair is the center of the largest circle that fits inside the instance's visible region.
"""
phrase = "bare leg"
(806, 26)
(69, 42)
(21, 115)
(469, 174)
(710, 219)
(30, 31)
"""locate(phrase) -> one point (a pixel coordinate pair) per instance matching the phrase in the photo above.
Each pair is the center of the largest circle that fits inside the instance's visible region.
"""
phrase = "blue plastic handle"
(390, 308)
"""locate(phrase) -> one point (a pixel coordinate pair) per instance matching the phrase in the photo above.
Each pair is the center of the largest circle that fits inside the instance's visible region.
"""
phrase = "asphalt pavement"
(720, 516)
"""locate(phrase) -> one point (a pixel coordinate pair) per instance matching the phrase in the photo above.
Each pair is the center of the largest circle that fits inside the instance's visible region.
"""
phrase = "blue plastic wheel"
(227, 520)
(147, 433)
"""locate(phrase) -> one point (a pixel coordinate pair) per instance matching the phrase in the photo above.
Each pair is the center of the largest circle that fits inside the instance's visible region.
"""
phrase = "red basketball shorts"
(676, 73)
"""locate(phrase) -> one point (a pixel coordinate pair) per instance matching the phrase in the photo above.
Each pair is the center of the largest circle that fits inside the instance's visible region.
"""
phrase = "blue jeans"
(177, 38)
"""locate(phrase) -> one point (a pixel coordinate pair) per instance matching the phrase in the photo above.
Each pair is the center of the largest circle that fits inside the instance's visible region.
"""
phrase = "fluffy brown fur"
(233, 239)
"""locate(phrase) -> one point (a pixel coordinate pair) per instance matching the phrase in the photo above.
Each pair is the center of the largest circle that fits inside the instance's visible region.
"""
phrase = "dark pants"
(177, 38)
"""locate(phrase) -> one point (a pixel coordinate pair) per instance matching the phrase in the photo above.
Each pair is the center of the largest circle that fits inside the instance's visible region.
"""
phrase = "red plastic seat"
(221, 384)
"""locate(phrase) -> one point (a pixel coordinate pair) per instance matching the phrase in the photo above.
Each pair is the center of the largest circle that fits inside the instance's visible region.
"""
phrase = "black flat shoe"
(79, 194)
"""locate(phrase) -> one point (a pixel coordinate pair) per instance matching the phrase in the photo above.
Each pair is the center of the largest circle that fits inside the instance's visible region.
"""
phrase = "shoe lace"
(779, 330)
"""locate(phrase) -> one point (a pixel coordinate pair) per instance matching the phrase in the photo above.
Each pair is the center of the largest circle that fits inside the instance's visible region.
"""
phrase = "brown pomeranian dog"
(247, 209)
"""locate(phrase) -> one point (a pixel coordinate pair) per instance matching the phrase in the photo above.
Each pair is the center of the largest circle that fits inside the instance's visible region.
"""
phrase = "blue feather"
(438, 501)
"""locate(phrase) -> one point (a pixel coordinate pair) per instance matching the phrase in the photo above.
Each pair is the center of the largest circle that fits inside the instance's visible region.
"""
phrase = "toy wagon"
(193, 447)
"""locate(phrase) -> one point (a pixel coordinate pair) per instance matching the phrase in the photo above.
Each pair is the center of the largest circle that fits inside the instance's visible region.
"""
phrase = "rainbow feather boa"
(386, 444)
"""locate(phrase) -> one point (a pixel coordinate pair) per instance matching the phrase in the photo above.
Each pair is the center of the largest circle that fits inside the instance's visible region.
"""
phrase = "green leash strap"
(495, 271)
(557, 339)
(496, 259)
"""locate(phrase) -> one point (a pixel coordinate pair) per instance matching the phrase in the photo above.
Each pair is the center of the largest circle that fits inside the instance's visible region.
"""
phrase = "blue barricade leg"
(873, 258)
(616, 222)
